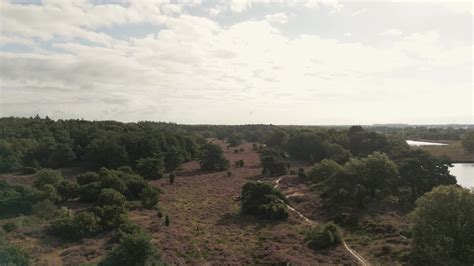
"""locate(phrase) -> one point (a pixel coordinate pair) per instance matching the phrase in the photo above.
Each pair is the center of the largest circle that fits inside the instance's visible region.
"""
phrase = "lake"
(464, 173)
(423, 143)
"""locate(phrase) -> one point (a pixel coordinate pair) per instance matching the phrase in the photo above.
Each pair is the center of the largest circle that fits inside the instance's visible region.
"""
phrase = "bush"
(171, 177)
(323, 236)
(90, 192)
(135, 249)
(111, 216)
(443, 226)
(149, 197)
(301, 173)
(151, 167)
(167, 220)
(212, 158)
(110, 196)
(83, 225)
(50, 192)
(324, 170)
(274, 163)
(68, 190)
(47, 177)
(13, 255)
(28, 171)
(87, 178)
(11, 226)
(468, 142)
(44, 209)
(263, 200)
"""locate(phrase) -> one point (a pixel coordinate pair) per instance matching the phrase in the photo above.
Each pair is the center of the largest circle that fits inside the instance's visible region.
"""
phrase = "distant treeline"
(42, 142)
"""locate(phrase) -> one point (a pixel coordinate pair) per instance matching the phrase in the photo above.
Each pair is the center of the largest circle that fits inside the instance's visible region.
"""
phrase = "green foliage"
(68, 190)
(324, 170)
(276, 139)
(421, 172)
(47, 177)
(50, 192)
(83, 225)
(171, 177)
(323, 236)
(173, 159)
(11, 226)
(111, 216)
(151, 167)
(16, 199)
(110, 196)
(13, 255)
(234, 140)
(301, 173)
(167, 220)
(135, 249)
(274, 162)
(263, 200)
(468, 142)
(149, 197)
(44, 209)
(443, 226)
(212, 158)
(28, 170)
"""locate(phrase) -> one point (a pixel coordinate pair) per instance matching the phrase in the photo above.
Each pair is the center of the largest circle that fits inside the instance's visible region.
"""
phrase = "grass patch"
(453, 150)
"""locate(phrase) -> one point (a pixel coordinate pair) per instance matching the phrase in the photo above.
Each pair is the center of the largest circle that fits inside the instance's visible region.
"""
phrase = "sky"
(305, 62)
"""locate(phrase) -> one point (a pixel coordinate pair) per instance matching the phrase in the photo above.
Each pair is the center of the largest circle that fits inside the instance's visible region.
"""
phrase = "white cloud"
(279, 18)
(359, 12)
(391, 32)
(204, 66)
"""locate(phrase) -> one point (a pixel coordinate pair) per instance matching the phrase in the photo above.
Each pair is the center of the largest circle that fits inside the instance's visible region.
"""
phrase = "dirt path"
(354, 253)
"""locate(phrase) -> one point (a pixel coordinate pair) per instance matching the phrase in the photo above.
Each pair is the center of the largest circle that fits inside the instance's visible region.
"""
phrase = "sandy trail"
(354, 253)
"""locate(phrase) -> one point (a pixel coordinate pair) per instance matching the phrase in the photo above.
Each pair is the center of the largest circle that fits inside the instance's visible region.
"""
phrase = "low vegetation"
(323, 236)
(263, 200)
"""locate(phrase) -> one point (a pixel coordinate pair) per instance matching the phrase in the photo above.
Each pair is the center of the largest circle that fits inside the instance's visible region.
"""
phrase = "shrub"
(151, 167)
(11, 226)
(68, 190)
(171, 177)
(111, 216)
(28, 170)
(13, 255)
(47, 177)
(110, 196)
(324, 170)
(111, 180)
(301, 173)
(50, 192)
(241, 163)
(212, 158)
(468, 142)
(87, 178)
(44, 209)
(263, 200)
(149, 197)
(323, 236)
(274, 162)
(229, 173)
(90, 192)
(167, 220)
(84, 224)
(135, 249)
(443, 231)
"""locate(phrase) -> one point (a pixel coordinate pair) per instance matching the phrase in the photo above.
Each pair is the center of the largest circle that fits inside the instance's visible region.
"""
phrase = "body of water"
(423, 143)
(464, 173)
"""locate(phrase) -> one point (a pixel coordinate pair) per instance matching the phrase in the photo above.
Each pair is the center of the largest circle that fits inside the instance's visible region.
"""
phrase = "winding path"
(354, 253)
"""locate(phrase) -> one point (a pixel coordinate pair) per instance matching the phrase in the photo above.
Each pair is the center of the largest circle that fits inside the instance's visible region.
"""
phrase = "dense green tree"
(443, 226)
(421, 172)
(212, 158)
(277, 139)
(323, 236)
(151, 167)
(468, 141)
(263, 200)
(135, 249)
(274, 162)
(83, 225)
(106, 151)
(11, 254)
(47, 177)
(173, 159)
(68, 190)
(324, 170)
(110, 196)
(149, 197)
(234, 140)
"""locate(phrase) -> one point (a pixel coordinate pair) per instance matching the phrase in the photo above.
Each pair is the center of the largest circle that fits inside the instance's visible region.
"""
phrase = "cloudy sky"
(235, 62)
